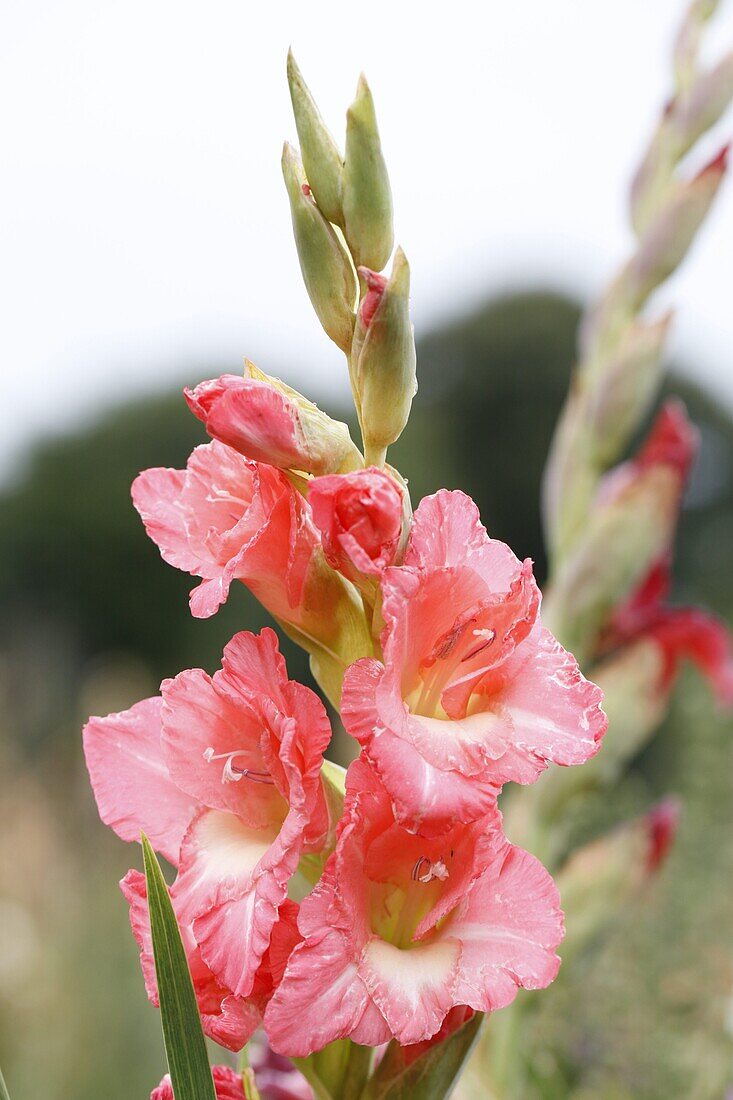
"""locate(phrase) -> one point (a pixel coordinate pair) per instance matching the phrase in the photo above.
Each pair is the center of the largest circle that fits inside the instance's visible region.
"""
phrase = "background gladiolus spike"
(367, 197)
(322, 160)
(327, 271)
(668, 209)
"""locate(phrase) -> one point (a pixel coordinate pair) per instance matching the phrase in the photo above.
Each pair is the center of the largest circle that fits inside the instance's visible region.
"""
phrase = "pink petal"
(231, 883)
(227, 1085)
(199, 720)
(132, 785)
(447, 531)
(413, 989)
(509, 925)
(225, 1018)
(320, 999)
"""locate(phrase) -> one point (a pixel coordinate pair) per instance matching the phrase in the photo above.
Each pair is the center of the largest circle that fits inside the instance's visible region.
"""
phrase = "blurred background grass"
(91, 620)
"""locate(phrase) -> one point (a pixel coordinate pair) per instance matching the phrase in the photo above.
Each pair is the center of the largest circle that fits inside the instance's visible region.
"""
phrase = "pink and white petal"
(555, 713)
(446, 530)
(220, 859)
(253, 667)
(412, 988)
(132, 785)
(509, 926)
(425, 799)
(320, 999)
(197, 718)
(157, 496)
(232, 882)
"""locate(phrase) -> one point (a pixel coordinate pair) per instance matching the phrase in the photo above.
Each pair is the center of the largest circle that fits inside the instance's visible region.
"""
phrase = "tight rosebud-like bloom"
(383, 359)
(227, 1085)
(402, 929)
(473, 691)
(360, 518)
(269, 422)
(223, 774)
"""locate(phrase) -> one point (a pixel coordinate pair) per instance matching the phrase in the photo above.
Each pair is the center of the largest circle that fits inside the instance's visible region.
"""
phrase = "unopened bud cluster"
(341, 209)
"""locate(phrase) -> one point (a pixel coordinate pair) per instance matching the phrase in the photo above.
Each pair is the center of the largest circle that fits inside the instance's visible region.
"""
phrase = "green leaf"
(185, 1046)
(4, 1094)
(431, 1076)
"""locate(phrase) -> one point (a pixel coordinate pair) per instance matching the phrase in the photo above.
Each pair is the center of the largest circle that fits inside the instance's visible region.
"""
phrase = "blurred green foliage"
(91, 619)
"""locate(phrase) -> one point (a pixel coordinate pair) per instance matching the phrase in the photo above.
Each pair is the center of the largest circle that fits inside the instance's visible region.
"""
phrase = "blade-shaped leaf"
(431, 1076)
(4, 1094)
(185, 1046)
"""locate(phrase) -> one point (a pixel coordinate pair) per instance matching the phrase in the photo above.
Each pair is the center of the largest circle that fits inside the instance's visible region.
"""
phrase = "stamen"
(484, 638)
(231, 773)
(437, 870)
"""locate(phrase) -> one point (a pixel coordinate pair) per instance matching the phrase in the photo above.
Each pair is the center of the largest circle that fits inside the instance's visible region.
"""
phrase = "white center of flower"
(231, 772)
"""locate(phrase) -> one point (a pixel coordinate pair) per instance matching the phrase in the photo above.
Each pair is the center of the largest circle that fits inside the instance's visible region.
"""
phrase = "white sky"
(144, 228)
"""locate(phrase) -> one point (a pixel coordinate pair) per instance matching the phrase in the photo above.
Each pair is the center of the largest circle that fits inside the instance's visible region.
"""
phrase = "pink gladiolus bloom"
(227, 1085)
(223, 774)
(225, 1018)
(401, 929)
(225, 518)
(268, 422)
(359, 516)
(473, 692)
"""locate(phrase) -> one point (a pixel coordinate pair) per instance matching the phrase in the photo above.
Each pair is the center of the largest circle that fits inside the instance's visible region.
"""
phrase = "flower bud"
(699, 110)
(619, 400)
(327, 270)
(668, 237)
(269, 422)
(383, 360)
(629, 532)
(366, 194)
(603, 877)
(322, 160)
(360, 517)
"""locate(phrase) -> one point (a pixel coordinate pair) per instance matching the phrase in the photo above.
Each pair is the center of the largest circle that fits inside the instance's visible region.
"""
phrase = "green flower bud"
(383, 360)
(327, 270)
(322, 160)
(366, 195)
(617, 401)
(621, 539)
(667, 238)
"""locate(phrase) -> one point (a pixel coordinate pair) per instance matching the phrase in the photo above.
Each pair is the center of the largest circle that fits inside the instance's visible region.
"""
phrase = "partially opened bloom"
(227, 1085)
(359, 516)
(225, 772)
(225, 518)
(473, 692)
(402, 929)
(269, 422)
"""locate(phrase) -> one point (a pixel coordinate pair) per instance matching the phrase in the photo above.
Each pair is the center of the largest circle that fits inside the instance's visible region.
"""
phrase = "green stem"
(357, 1072)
